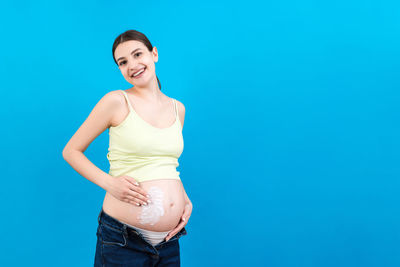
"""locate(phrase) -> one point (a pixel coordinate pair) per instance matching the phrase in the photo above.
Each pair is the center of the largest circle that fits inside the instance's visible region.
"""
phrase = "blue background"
(291, 133)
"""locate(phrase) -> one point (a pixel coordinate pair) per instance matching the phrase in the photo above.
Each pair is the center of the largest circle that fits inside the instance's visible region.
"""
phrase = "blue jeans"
(121, 245)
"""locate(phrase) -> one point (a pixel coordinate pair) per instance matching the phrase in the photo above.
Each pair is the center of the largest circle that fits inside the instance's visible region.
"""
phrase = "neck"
(150, 93)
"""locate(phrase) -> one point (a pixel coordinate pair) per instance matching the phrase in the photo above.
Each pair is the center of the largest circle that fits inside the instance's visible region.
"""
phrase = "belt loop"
(125, 230)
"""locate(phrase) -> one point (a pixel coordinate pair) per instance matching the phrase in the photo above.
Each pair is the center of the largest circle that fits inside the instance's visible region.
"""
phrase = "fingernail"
(136, 183)
(184, 219)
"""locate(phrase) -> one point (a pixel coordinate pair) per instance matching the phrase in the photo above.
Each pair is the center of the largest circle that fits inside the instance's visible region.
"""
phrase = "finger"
(170, 235)
(135, 193)
(176, 230)
(189, 210)
(173, 232)
(131, 180)
(138, 189)
(186, 215)
(141, 191)
(138, 198)
(133, 200)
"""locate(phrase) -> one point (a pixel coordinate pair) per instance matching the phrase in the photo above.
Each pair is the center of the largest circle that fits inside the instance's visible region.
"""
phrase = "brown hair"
(136, 36)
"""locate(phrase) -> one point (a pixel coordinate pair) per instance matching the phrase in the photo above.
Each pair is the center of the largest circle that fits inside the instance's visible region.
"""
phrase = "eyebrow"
(131, 53)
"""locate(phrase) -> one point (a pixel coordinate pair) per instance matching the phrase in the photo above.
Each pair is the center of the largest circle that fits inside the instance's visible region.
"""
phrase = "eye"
(138, 53)
(122, 62)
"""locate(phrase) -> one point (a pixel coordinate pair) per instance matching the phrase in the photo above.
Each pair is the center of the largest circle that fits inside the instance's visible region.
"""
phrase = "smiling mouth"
(139, 73)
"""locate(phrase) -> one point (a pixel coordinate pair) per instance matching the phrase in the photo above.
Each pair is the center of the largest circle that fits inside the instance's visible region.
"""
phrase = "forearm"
(86, 168)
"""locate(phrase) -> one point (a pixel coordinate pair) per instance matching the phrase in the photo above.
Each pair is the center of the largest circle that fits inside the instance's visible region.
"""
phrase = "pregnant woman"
(146, 208)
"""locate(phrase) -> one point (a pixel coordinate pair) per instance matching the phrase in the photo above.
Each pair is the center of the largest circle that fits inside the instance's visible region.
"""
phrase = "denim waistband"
(111, 221)
(126, 229)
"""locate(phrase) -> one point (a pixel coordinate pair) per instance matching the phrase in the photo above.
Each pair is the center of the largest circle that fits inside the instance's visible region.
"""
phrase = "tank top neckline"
(132, 111)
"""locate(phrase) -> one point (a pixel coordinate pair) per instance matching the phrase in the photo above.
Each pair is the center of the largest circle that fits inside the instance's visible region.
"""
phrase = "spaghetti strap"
(176, 108)
(127, 100)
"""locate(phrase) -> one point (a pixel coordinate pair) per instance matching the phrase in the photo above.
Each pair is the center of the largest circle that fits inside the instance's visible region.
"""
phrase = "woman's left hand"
(184, 220)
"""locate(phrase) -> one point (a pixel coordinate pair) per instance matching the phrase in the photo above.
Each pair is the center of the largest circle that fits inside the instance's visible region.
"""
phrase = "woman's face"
(134, 57)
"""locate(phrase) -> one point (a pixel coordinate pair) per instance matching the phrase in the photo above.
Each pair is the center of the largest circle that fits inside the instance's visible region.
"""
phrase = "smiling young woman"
(145, 208)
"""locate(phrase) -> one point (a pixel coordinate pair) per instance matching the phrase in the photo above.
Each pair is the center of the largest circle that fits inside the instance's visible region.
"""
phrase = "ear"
(155, 54)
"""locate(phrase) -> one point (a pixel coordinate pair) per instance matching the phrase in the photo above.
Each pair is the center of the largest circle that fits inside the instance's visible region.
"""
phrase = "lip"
(138, 71)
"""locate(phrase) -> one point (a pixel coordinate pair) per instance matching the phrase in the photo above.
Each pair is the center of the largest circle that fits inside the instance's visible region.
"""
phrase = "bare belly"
(161, 216)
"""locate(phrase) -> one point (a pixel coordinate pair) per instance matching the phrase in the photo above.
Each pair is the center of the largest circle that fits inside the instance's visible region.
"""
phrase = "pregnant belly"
(162, 214)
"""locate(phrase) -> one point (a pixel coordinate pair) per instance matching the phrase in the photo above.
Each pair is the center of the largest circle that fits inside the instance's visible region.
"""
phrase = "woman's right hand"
(126, 188)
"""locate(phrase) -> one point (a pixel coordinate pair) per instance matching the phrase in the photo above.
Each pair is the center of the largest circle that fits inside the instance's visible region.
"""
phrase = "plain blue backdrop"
(291, 133)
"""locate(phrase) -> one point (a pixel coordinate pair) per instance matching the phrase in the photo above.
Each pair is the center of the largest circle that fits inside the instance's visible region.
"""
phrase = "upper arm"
(181, 112)
(97, 122)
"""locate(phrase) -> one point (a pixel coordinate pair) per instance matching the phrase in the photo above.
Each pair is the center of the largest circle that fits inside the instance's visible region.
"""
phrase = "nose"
(132, 64)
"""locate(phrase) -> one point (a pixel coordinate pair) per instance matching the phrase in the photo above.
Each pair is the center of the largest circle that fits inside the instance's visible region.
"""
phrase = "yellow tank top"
(142, 151)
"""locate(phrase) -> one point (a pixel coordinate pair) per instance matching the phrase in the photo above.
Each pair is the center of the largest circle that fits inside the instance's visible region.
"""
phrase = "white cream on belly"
(151, 213)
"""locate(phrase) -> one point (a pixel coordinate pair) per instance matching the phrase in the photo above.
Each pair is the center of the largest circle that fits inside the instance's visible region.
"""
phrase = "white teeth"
(137, 73)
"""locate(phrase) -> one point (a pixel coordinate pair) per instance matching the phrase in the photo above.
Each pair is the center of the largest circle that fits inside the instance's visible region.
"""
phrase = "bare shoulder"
(181, 107)
(116, 103)
(114, 98)
(181, 111)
